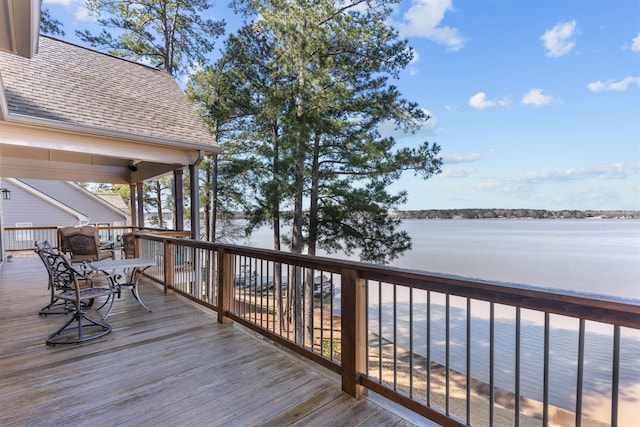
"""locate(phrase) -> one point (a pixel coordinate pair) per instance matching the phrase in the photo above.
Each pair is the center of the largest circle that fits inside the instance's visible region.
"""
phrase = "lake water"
(596, 256)
(592, 256)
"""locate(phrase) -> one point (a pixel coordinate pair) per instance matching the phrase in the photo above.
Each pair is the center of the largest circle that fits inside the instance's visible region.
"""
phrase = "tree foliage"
(168, 34)
(307, 86)
(171, 35)
(157, 200)
(49, 25)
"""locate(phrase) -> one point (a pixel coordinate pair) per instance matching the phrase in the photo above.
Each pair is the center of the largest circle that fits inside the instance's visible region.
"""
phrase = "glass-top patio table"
(123, 273)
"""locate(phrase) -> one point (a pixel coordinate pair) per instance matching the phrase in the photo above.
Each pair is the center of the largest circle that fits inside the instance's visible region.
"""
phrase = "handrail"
(376, 311)
(20, 240)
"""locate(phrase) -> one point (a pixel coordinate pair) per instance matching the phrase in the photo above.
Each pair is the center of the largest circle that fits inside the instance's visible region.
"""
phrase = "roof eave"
(100, 200)
(209, 149)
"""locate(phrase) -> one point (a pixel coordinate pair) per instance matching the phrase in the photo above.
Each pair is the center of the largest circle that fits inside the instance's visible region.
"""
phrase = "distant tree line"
(514, 214)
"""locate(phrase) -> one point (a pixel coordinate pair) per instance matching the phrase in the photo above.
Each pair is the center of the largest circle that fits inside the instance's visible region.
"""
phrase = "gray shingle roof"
(81, 87)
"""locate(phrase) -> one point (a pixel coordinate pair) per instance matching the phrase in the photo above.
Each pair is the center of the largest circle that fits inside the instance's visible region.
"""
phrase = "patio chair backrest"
(42, 244)
(83, 243)
(63, 232)
(61, 275)
(129, 245)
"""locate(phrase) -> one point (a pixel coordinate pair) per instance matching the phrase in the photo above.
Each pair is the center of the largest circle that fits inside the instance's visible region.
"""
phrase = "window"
(24, 235)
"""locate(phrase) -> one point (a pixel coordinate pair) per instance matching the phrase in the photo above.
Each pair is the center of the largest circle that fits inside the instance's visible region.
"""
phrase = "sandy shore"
(531, 411)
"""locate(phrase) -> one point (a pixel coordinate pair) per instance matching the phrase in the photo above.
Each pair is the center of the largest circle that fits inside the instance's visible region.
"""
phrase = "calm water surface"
(596, 256)
(592, 256)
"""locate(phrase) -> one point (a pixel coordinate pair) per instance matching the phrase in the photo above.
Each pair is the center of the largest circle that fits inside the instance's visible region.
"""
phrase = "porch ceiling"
(53, 154)
(74, 114)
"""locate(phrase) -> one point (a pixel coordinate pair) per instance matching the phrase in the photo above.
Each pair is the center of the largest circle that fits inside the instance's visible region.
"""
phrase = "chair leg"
(51, 308)
(79, 333)
(55, 302)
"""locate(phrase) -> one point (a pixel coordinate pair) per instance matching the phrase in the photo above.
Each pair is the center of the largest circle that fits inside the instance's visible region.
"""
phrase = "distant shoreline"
(472, 213)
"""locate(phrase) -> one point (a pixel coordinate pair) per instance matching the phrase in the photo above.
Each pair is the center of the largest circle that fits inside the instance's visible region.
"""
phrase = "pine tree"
(169, 34)
(308, 89)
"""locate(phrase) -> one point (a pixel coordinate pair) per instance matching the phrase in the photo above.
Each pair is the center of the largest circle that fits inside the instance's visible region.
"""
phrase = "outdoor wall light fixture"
(133, 166)
(6, 194)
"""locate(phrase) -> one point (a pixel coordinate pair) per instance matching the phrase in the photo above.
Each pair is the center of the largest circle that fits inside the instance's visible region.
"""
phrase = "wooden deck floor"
(175, 366)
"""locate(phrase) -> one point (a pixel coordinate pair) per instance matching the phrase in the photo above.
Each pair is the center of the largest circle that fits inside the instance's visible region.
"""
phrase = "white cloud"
(460, 158)
(621, 85)
(61, 2)
(536, 98)
(479, 101)
(456, 172)
(427, 128)
(537, 183)
(613, 171)
(558, 40)
(635, 43)
(412, 69)
(83, 14)
(80, 11)
(416, 58)
(423, 20)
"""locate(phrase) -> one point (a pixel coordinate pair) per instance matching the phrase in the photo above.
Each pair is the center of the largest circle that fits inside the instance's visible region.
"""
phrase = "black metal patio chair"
(64, 279)
(57, 306)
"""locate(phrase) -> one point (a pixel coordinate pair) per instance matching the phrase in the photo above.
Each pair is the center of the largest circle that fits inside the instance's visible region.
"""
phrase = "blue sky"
(535, 103)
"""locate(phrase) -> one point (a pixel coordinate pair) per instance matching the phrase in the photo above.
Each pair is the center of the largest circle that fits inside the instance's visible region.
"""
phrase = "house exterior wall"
(25, 207)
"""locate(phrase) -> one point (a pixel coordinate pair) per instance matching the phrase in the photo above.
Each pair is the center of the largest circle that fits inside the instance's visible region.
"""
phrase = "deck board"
(174, 366)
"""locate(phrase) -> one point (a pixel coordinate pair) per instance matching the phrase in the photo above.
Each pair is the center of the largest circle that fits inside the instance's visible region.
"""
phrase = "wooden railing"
(19, 241)
(457, 351)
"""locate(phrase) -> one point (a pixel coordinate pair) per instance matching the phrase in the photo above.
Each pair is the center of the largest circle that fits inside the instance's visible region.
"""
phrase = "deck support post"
(178, 200)
(225, 284)
(353, 332)
(169, 265)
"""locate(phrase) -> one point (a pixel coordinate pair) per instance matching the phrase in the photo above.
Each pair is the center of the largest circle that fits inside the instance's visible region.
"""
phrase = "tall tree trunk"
(313, 202)
(213, 197)
(296, 241)
(158, 191)
(312, 240)
(207, 207)
(275, 218)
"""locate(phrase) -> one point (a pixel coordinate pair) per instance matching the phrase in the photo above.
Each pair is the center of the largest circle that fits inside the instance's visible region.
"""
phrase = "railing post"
(353, 332)
(169, 266)
(136, 247)
(225, 284)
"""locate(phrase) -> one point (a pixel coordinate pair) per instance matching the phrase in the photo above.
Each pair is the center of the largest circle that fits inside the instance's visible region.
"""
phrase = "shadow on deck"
(174, 366)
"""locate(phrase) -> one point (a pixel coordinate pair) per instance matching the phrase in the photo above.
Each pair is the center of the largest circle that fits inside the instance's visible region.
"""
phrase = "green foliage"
(169, 34)
(50, 26)
(296, 101)
(157, 200)
(513, 214)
